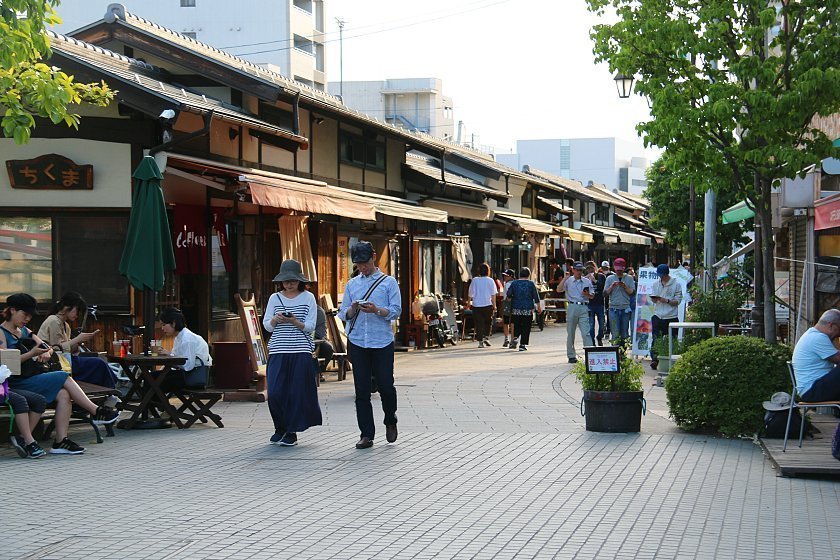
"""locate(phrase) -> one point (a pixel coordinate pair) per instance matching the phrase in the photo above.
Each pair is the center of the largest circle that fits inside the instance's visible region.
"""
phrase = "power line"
(382, 30)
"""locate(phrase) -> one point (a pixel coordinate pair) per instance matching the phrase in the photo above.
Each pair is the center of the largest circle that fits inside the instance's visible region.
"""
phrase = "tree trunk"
(768, 249)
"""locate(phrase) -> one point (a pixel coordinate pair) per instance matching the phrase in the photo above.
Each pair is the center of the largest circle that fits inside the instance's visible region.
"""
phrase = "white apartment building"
(412, 103)
(286, 36)
(600, 160)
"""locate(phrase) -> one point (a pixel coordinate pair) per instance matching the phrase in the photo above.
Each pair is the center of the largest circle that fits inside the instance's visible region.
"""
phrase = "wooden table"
(147, 374)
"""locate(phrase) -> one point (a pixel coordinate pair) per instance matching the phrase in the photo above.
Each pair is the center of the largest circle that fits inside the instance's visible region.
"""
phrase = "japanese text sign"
(49, 172)
(602, 360)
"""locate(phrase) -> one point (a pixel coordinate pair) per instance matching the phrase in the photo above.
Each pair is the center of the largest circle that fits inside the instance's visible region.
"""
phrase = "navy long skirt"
(292, 392)
(93, 370)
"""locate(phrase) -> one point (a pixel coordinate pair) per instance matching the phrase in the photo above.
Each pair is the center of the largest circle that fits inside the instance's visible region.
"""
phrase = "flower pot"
(665, 364)
(613, 411)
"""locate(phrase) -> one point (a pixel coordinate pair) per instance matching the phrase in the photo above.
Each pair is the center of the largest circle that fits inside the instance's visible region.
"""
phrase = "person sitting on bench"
(194, 373)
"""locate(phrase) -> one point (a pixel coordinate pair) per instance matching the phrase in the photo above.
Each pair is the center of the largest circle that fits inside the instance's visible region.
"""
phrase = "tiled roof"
(421, 165)
(149, 78)
(576, 187)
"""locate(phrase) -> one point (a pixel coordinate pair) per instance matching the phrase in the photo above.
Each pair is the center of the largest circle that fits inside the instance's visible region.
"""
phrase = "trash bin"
(231, 365)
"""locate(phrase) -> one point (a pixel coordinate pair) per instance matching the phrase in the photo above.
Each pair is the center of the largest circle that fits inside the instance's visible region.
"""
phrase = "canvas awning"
(737, 213)
(575, 235)
(612, 235)
(281, 193)
(628, 217)
(526, 223)
(463, 210)
(556, 205)
(393, 206)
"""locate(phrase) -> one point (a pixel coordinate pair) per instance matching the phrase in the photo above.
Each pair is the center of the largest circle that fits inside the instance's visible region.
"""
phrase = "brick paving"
(492, 461)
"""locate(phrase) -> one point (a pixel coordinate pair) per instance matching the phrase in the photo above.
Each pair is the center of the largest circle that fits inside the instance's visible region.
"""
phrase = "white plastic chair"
(804, 405)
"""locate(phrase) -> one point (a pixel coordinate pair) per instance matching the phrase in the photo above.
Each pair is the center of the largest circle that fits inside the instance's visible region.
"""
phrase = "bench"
(196, 405)
(99, 395)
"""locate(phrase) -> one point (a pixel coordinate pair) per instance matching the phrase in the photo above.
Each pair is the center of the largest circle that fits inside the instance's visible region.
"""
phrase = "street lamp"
(624, 85)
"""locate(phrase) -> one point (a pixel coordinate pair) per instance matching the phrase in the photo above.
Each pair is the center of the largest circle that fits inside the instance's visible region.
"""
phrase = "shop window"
(26, 256)
(277, 116)
(88, 252)
(358, 150)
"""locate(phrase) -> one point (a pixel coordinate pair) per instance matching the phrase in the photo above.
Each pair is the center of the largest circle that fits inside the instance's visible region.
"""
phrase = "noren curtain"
(294, 243)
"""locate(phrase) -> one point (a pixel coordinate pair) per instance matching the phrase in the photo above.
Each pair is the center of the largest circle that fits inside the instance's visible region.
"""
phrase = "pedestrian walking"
(620, 288)
(578, 293)
(371, 301)
(524, 300)
(290, 317)
(666, 296)
(482, 294)
(596, 304)
(507, 324)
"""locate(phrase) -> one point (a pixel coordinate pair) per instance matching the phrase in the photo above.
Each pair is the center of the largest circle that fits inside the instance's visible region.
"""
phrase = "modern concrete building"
(600, 160)
(286, 36)
(412, 103)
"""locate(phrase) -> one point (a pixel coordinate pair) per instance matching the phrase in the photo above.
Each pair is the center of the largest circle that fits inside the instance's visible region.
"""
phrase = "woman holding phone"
(55, 331)
(290, 317)
(54, 386)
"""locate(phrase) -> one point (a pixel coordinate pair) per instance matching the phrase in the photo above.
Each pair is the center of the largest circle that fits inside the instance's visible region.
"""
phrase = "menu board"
(253, 332)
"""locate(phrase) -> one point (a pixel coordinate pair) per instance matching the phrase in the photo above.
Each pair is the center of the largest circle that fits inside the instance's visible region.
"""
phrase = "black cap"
(508, 272)
(22, 302)
(361, 252)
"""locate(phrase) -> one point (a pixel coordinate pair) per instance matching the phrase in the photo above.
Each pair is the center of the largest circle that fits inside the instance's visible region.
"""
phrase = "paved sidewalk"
(492, 461)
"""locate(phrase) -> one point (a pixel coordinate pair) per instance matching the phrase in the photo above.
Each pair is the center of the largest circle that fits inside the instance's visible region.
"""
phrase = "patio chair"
(804, 405)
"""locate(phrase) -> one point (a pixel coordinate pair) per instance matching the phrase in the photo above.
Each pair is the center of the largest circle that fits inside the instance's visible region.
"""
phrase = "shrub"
(629, 378)
(718, 305)
(719, 384)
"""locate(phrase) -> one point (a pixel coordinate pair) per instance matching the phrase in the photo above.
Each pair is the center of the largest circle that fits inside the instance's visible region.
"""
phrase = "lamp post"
(624, 85)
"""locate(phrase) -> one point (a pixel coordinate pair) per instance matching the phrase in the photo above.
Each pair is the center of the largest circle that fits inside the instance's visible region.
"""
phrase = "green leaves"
(28, 87)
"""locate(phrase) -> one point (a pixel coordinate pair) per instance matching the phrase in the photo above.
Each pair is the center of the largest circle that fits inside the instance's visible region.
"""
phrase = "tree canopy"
(734, 86)
(29, 87)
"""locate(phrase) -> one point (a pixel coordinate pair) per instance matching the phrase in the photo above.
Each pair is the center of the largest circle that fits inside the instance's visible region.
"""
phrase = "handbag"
(33, 367)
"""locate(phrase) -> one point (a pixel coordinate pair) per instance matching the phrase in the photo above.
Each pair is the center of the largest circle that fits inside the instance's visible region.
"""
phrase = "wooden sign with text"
(49, 172)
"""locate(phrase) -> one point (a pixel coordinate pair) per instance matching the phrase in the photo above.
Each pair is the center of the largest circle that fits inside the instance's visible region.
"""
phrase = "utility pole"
(709, 244)
(692, 226)
(340, 23)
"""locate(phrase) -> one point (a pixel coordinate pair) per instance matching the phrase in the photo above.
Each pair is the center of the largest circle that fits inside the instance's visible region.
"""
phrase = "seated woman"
(55, 331)
(27, 408)
(54, 386)
(194, 372)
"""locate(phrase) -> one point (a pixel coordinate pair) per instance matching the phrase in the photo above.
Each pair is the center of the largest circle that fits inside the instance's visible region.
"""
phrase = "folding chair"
(804, 405)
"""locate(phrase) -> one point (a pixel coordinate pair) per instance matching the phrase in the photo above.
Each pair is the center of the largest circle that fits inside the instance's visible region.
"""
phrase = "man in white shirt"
(666, 296)
(816, 360)
(579, 291)
(482, 294)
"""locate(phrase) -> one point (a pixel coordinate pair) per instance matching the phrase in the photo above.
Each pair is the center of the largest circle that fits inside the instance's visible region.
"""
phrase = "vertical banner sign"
(642, 324)
(220, 230)
(190, 239)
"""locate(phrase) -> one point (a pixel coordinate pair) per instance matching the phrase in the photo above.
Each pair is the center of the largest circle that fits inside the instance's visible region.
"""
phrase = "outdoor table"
(147, 373)
(689, 325)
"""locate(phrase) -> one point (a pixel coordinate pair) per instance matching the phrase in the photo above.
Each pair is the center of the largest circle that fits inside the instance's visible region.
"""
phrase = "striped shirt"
(286, 338)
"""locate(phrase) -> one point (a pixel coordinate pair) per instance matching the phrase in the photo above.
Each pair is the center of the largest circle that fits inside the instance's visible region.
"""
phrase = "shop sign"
(49, 172)
(827, 215)
(602, 359)
(190, 238)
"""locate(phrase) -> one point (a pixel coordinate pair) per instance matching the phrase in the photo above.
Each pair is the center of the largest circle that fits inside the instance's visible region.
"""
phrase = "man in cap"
(371, 302)
(666, 296)
(578, 293)
(596, 304)
(620, 287)
(816, 360)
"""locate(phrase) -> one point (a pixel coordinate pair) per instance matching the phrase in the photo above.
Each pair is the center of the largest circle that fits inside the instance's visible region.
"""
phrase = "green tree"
(669, 207)
(28, 87)
(734, 86)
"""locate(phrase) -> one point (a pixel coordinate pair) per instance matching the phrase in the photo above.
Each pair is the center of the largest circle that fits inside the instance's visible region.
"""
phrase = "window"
(188, 3)
(277, 116)
(640, 183)
(305, 5)
(46, 257)
(304, 44)
(358, 150)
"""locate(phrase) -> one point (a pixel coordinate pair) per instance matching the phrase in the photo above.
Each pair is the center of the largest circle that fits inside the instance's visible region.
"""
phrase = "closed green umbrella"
(148, 250)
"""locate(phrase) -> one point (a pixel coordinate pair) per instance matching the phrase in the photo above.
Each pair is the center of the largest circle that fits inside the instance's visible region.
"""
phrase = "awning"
(392, 206)
(612, 235)
(827, 212)
(737, 213)
(526, 223)
(556, 205)
(575, 235)
(739, 253)
(463, 210)
(659, 238)
(628, 217)
(281, 193)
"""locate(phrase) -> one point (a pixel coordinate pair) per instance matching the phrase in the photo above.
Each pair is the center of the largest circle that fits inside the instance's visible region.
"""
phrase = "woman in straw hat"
(290, 317)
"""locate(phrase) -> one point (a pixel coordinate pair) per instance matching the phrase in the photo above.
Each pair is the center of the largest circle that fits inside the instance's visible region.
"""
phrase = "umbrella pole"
(149, 318)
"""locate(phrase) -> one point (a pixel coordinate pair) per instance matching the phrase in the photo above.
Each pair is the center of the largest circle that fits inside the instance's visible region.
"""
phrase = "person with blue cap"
(666, 296)
(371, 302)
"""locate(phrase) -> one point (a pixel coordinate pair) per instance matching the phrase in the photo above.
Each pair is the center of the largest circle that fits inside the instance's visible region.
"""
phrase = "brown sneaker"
(364, 443)
(391, 433)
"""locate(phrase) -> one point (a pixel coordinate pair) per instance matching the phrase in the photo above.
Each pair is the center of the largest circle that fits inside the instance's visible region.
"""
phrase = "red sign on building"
(827, 213)
(49, 172)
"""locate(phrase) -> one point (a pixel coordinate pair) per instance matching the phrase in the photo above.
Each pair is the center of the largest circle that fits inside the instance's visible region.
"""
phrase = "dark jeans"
(596, 311)
(660, 328)
(483, 318)
(522, 327)
(379, 364)
(826, 388)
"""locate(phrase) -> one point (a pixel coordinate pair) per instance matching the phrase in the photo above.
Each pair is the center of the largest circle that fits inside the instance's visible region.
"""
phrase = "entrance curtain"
(294, 243)
(460, 246)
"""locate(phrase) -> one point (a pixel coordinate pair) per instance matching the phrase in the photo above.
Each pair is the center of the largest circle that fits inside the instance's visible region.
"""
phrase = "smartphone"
(287, 314)
(363, 303)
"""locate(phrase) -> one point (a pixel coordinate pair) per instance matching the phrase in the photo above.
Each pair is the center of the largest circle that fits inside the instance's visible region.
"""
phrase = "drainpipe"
(208, 118)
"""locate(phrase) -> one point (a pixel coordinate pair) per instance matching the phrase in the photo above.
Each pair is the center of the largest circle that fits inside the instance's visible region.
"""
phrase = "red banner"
(827, 215)
(190, 239)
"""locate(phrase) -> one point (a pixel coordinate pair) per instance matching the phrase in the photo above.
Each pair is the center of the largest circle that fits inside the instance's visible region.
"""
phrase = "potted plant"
(667, 357)
(612, 401)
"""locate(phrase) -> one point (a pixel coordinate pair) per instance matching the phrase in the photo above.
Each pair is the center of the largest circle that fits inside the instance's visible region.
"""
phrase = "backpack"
(775, 422)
